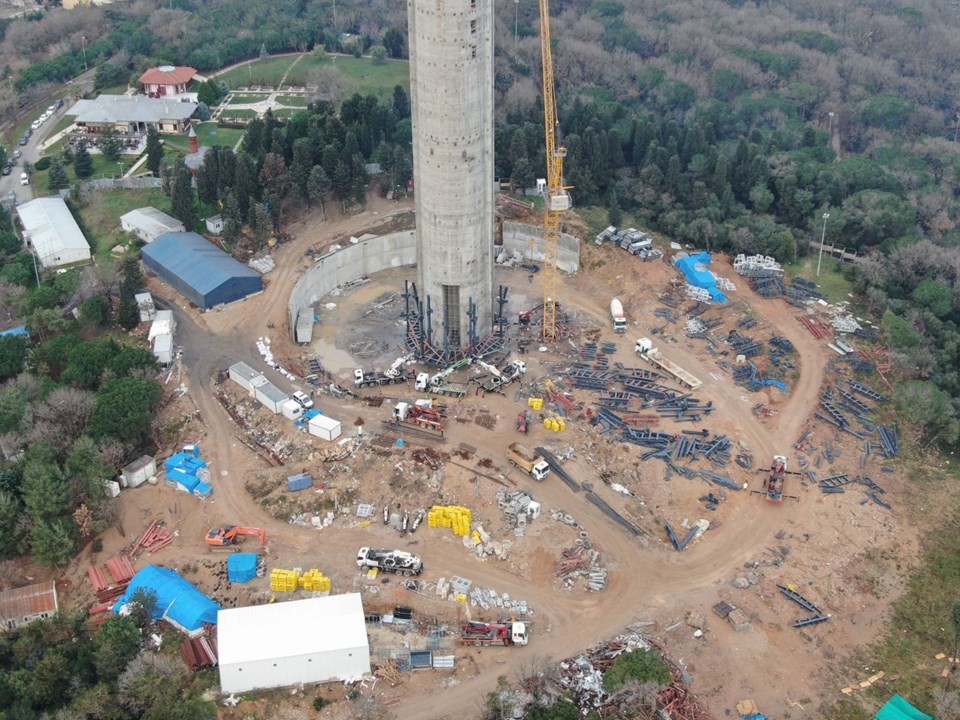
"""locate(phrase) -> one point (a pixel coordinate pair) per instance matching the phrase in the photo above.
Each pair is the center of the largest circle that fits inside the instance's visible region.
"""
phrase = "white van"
(24, 179)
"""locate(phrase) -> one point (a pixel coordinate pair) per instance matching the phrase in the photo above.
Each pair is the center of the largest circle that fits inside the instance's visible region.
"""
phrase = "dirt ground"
(840, 554)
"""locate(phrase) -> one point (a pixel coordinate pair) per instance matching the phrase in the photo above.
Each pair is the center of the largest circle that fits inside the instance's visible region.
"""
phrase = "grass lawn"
(267, 71)
(238, 113)
(101, 168)
(62, 124)
(102, 214)
(287, 112)
(207, 134)
(247, 99)
(293, 100)
(831, 281)
(360, 75)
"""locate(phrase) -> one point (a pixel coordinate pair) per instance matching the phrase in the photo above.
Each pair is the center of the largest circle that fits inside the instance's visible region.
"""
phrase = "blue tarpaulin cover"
(177, 599)
(694, 269)
(20, 330)
(897, 708)
(242, 567)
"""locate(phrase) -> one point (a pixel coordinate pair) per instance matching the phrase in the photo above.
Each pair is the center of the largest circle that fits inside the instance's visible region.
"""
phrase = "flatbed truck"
(652, 355)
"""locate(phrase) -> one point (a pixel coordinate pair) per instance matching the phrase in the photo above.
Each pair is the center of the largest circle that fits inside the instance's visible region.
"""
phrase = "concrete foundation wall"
(353, 261)
(517, 236)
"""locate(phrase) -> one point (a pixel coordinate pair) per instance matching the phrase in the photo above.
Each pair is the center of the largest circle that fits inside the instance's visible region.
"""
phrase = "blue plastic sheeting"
(897, 708)
(199, 270)
(177, 599)
(242, 567)
(21, 331)
(184, 468)
(311, 413)
(775, 383)
(694, 269)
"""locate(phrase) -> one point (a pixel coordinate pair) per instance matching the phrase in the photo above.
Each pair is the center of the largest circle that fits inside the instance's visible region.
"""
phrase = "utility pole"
(83, 46)
(516, 21)
(823, 236)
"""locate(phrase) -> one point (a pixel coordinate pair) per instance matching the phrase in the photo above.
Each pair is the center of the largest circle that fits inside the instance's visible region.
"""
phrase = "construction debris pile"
(843, 398)
(459, 589)
(582, 677)
(580, 561)
(518, 508)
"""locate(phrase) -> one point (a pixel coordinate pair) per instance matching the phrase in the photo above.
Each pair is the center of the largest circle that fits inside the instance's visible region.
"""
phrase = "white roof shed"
(303, 641)
(49, 227)
(148, 223)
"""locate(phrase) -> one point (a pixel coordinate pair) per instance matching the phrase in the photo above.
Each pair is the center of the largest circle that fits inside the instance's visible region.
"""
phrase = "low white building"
(50, 230)
(287, 643)
(148, 223)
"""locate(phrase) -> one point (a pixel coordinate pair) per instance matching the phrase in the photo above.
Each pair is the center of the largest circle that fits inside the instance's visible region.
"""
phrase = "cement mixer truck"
(616, 314)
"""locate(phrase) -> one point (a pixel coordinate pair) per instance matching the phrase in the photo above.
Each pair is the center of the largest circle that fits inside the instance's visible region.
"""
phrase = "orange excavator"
(233, 535)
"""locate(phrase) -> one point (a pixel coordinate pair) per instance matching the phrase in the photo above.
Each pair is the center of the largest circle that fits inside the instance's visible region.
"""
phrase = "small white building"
(148, 311)
(163, 349)
(244, 375)
(163, 324)
(287, 643)
(148, 223)
(214, 224)
(50, 230)
(325, 427)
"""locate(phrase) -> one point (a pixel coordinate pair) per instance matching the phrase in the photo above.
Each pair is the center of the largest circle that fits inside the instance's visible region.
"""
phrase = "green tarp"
(899, 709)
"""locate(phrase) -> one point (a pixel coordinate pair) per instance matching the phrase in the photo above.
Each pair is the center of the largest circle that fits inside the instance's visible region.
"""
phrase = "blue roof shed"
(178, 601)
(198, 270)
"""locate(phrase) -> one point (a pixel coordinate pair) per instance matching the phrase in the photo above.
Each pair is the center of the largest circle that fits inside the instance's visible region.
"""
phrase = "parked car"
(59, 103)
(12, 197)
(51, 110)
(36, 124)
(24, 138)
(7, 170)
(303, 400)
(24, 179)
(17, 154)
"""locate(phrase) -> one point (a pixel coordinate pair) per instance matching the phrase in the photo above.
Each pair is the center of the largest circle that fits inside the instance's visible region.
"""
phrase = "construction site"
(508, 449)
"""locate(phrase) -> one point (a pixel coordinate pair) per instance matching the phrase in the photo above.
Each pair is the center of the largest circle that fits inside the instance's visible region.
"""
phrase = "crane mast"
(557, 200)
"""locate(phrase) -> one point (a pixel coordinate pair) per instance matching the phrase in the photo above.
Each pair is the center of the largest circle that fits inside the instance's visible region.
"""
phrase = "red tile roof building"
(23, 605)
(167, 80)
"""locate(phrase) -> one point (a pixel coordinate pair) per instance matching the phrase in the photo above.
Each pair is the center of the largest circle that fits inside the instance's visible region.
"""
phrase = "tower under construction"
(451, 93)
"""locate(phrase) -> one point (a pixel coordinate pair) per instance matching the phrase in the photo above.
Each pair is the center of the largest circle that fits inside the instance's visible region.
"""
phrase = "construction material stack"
(455, 517)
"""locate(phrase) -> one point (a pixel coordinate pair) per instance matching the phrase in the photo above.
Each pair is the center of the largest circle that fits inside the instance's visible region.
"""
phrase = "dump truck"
(652, 355)
(233, 535)
(391, 561)
(617, 316)
(423, 384)
(527, 460)
(502, 633)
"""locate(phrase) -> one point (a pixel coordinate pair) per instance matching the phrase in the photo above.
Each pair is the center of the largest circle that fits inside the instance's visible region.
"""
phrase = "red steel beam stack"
(121, 569)
(97, 579)
(154, 538)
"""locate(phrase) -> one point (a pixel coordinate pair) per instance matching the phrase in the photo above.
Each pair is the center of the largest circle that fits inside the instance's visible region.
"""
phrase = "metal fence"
(133, 183)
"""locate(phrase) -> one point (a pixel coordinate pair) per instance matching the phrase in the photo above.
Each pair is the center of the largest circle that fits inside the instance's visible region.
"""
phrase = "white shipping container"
(270, 396)
(244, 375)
(138, 472)
(291, 409)
(325, 427)
(163, 349)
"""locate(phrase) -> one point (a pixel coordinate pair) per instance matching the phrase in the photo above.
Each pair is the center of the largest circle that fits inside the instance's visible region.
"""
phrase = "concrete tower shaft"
(451, 93)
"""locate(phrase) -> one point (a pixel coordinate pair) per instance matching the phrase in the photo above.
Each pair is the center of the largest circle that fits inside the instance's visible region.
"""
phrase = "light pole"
(957, 131)
(516, 21)
(120, 165)
(831, 124)
(823, 236)
(83, 46)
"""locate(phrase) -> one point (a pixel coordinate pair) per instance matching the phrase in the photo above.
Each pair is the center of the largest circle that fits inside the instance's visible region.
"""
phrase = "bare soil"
(842, 555)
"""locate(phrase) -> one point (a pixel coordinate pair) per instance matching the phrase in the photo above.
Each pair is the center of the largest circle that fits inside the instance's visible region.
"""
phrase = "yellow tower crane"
(556, 200)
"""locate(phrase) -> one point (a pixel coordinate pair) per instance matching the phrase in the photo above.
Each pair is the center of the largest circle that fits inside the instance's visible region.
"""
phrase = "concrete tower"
(451, 93)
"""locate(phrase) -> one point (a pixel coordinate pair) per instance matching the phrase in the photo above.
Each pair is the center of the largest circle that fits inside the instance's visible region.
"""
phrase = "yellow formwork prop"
(455, 517)
(314, 581)
(284, 580)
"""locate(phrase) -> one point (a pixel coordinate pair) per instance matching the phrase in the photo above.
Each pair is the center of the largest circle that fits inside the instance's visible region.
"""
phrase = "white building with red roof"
(167, 80)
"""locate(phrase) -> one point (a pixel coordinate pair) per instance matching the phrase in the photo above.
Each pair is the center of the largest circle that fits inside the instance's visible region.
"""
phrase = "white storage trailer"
(138, 472)
(163, 349)
(304, 328)
(271, 397)
(325, 427)
(244, 376)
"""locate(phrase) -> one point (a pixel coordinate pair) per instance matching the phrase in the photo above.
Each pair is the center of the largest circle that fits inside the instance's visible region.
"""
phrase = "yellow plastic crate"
(314, 581)
(535, 403)
(284, 580)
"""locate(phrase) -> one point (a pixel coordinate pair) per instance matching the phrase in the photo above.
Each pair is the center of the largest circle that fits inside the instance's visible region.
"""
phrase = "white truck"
(617, 316)
(528, 461)
(391, 561)
(652, 355)
(394, 374)
(423, 384)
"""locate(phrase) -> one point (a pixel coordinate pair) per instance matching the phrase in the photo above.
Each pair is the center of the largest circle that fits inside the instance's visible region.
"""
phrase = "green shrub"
(42, 164)
(640, 665)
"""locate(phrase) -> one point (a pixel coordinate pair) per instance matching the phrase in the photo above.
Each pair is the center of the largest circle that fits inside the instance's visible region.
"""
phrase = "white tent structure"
(287, 643)
(53, 234)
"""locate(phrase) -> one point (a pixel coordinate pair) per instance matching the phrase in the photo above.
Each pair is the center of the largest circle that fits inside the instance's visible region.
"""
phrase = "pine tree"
(110, 144)
(57, 177)
(128, 314)
(232, 219)
(181, 197)
(154, 150)
(82, 162)
(318, 186)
